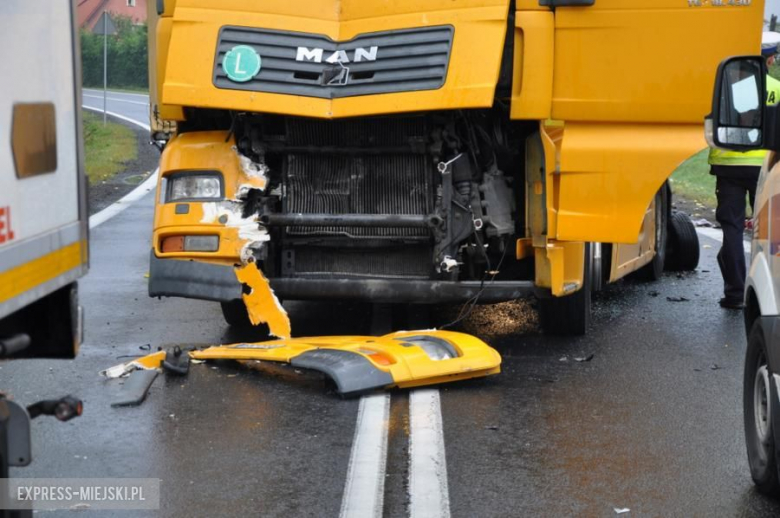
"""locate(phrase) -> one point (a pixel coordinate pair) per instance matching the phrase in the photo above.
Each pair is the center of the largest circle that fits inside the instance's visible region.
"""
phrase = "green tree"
(127, 56)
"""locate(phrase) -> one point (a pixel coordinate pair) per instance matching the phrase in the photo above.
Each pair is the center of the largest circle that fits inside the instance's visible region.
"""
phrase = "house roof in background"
(88, 11)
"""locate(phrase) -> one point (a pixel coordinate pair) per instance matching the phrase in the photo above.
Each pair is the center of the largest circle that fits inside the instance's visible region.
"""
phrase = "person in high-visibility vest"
(737, 178)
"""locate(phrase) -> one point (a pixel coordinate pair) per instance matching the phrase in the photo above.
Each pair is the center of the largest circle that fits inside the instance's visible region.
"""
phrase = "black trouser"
(731, 192)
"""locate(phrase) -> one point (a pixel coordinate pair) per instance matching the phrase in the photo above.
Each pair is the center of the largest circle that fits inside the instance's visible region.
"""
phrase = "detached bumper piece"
(359, 364)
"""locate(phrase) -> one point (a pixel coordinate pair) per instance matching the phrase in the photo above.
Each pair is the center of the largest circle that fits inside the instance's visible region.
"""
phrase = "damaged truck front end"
(413, 152)
(413, 209)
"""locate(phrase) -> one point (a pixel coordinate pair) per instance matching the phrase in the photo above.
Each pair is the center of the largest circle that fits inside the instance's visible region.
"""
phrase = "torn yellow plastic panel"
(261, 303)
(150, 361)
(361, 363)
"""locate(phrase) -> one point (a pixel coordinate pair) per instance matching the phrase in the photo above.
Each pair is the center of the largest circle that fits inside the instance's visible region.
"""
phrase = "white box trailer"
(43, 190)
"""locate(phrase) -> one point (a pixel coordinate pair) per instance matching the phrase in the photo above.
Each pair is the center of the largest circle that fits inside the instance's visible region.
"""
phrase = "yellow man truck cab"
(423, 153)
(43, 204)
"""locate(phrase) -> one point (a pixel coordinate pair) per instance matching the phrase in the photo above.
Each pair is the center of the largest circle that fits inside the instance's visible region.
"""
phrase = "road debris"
(176, 361)
(677, 299)
(135, 389)
(715, 367)
(584, 358)
(357, 364)
(261, 302)
(621, 510)
(150, 361)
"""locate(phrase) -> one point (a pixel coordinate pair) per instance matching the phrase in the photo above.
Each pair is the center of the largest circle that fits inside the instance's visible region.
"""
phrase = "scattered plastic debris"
(714, 367)
(491, 427)
(150, 361)
(584, 358)
(135, 389)
(703, 223)
(356, 364)
(677, 299)
(621, 510)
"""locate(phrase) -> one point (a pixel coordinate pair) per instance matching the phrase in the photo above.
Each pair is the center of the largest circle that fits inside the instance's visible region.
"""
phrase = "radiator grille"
(386, 184)
(400, 262)
(406, 60)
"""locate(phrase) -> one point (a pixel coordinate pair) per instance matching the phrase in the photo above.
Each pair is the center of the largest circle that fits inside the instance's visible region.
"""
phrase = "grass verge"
(693, 181)
(107, 148)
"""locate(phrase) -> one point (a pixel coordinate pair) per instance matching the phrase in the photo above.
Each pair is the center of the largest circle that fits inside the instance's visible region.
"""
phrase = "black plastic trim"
(566, 3)
(192, 279)
(399, 290)
(352, 373)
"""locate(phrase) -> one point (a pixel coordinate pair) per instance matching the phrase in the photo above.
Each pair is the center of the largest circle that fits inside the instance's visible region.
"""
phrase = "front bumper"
(198, 280)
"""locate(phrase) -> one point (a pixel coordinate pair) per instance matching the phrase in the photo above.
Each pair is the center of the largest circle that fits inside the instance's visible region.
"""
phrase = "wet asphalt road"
(652, 423)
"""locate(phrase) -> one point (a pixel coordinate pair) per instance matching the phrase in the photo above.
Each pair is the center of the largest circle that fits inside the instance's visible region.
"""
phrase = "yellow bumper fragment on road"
(261, 303)
(359, 364)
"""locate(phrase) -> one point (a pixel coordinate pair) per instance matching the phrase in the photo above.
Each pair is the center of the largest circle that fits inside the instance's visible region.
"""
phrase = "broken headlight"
(194, 186)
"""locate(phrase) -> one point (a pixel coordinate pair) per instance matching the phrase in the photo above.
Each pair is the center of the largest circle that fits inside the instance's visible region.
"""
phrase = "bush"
(127, 56)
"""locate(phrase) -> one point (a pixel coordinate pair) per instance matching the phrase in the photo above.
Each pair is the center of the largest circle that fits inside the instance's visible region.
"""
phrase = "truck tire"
(235, 314)
(569, 315)
(653, 270)
(682, 252)
(760, 415)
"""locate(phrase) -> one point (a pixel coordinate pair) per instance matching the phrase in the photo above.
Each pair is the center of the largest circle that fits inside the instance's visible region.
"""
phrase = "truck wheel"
(235, 314)
(653, 270)
(759, 407)
(683, 244)
(570, 314)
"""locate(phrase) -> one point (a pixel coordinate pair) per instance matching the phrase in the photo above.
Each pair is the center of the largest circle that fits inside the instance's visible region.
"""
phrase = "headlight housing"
(195, 186)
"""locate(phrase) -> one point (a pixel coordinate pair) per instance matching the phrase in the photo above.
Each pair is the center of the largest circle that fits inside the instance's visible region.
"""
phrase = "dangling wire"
(471, 303)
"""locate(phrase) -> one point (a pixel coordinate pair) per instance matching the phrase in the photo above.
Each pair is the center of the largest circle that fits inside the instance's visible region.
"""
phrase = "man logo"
(339, 56)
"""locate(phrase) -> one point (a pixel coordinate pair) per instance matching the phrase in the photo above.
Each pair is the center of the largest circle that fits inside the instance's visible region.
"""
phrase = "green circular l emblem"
(241, 63)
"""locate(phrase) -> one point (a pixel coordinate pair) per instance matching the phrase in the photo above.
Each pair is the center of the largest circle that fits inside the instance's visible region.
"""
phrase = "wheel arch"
(759, 285)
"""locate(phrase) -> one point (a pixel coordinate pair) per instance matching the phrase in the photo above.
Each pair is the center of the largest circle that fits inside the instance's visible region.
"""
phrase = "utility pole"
(106, 28)
(105, 63)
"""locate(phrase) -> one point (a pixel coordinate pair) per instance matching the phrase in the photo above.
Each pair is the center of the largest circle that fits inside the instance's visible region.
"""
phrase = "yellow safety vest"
(726, 157)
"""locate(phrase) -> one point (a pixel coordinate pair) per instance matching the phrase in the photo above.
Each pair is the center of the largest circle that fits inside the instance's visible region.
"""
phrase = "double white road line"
(365, 486)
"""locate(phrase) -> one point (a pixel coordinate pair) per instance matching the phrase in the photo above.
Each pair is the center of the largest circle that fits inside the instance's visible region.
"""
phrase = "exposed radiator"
(407, 262)
(359, 185)
(361, 166)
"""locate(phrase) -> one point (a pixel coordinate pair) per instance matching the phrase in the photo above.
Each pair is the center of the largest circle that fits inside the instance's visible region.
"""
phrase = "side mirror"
(739, 111)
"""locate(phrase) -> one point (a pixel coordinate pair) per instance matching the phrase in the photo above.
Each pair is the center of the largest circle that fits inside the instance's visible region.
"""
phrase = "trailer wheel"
(570, 314)
(683, 244)
(235, 314)
(653, 270)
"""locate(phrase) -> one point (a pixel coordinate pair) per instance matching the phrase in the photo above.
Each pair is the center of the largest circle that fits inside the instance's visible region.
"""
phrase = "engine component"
(498, 203)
